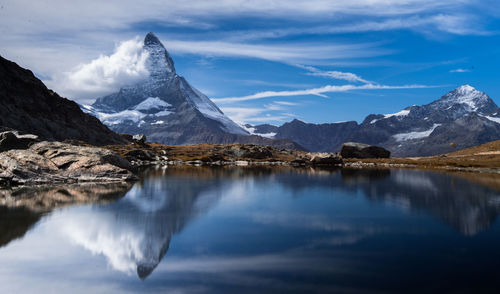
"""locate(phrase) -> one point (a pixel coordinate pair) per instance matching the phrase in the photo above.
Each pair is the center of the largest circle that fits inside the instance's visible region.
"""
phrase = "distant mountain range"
(168, 110)
(462, 118)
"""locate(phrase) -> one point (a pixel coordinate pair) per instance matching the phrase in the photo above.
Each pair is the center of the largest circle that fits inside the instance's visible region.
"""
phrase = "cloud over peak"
(105, 74)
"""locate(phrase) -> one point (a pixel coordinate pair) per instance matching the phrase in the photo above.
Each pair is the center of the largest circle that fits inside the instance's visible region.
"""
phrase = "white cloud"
(288, 103)
(268, 113)
(47, 16)
(460, 70)
(458, 24)
(338, 75)
(311, 53)
(315, 91)
(105, 74)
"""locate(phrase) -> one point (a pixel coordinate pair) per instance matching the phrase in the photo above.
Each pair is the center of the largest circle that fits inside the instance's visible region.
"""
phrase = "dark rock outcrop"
(359, 150)
(28, 106)
(12, 140)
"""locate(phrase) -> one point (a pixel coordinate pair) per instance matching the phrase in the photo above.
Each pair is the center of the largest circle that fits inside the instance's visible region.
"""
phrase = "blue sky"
(267, 61)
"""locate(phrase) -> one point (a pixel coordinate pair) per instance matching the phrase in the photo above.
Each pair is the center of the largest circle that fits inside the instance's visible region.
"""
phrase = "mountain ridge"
(462, 118)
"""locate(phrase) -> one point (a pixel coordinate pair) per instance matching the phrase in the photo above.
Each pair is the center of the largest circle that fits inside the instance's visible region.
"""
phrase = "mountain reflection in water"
(133, 227)
(134, 233)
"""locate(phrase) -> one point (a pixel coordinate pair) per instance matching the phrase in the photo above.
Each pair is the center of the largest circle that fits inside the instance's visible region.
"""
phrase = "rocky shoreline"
(25, 161)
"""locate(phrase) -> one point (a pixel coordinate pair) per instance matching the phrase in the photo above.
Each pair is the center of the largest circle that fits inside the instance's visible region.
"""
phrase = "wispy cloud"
(456, 24)
(309, 53)
(315, 91)
(338, 75)
(267, 113)
(288, 103)
(460, 70)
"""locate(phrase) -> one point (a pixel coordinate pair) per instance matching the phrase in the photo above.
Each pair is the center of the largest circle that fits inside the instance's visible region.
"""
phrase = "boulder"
(326, 160)
(55, 162)
(359, 150)
(141, 138)
(13, 140)
(251, 151)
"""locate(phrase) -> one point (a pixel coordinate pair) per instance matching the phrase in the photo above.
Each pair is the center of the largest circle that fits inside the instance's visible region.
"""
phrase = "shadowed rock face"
(13, 140)
(28, 106)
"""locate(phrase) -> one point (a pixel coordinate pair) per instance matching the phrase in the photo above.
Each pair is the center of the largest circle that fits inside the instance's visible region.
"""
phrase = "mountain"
(28, 106)
(168, 110)
(317, 137)
(465, 116)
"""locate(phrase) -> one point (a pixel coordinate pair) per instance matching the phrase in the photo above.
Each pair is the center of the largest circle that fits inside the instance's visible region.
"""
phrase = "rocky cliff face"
(28, 106)
(460, 119)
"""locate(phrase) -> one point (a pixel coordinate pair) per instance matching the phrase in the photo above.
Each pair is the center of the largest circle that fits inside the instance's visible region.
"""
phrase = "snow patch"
(134, 115)
(251, 130)
(403, 112)
(120, 117)
(158, 122)
(415, 135)
(163, 113)
(267, 135)
(152, 103)
(494, 119)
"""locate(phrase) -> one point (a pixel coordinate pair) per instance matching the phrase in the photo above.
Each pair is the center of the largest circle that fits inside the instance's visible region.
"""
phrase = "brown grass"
(486, 156)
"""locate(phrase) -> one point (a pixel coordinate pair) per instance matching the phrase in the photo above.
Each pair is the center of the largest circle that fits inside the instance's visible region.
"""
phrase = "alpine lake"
(256, 230)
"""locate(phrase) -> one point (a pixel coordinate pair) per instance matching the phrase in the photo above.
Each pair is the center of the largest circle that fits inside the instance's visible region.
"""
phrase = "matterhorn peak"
(152, 39)
(159, 62)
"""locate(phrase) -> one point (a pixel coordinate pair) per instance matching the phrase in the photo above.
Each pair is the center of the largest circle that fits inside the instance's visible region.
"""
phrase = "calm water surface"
(254, 230)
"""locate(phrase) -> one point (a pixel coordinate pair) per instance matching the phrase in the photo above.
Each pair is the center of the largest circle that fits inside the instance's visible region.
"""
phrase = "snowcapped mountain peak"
(465, 95)
(159, 62)
(151, 39)
(165, 106)
(465, 89)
